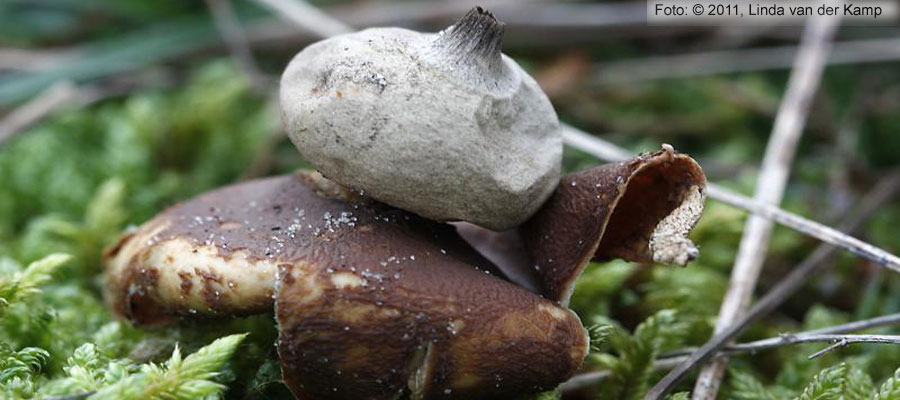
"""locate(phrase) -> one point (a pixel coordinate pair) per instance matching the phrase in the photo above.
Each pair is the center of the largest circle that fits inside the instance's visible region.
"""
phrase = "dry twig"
(262, 160)
(230, 28)
(541, 19)
(831, 333)
(836, 340)
(770, 186)
(884, 320)
(308, 17)
(588, 379)
(671, 359)
(677, 357)
(60, 96)
(30, 59)
(50, 100)
(808, 227)
(743, 60)
(882, 192)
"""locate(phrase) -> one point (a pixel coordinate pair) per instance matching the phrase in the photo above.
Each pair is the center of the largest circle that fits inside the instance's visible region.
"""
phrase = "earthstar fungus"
(373, 296)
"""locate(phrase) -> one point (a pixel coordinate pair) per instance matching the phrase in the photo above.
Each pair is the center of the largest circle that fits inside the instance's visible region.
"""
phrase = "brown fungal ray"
(218, 253)
(640, 210)
(372, 302)
(435, 328)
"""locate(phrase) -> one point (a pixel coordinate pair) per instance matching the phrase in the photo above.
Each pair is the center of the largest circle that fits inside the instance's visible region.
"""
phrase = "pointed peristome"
(476, 40)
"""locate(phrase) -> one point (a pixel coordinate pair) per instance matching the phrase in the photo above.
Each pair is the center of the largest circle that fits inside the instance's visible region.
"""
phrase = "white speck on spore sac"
(379, 80)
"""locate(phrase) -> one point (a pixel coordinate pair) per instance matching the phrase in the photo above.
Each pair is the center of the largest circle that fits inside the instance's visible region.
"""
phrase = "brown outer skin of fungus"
(606, 212)
(350, 316)
(251, 227)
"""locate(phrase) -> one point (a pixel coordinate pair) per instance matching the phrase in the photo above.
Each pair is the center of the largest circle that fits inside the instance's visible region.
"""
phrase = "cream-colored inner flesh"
(668, 242)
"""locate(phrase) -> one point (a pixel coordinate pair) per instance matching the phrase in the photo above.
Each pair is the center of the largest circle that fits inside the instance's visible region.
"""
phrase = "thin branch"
(841, 340)
(808, 227)
(391, 13)
(308, 17)
(593, 145)
(574, 15)
(770, 184)
(838, 343)
(536, 16)
(263, 31)
(674, 358)
(882, 193)
(30, 59)
(233, 34)
(744, 60)
(532, 22)
(799, 337)
(812, 265)
(884, 320)
(833, 334)
(588, 379)
(50, 100)
(609, 152)
(62, 95)
(262, 160)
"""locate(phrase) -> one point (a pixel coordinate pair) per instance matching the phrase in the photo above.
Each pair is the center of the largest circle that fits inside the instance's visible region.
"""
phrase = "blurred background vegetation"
(152, 107)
